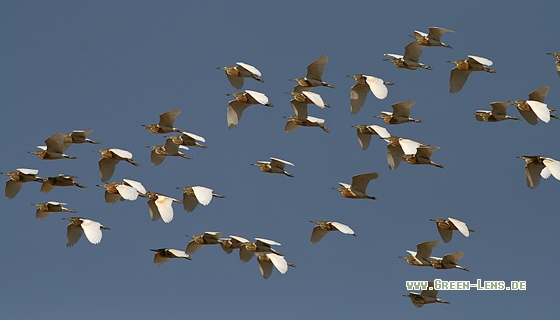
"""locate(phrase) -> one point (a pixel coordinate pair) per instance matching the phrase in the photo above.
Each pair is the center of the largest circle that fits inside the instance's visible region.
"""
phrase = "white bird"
(357, 190)
(61, 180)
(165, 124)
(200, 240)
(432, 38)
(162, 255)
(236, 74)
(46, 208)
(398, 147)
(498, 113)
(323, 227)
(193, 195)
(400, 114)
(449, 261)
(422, 156)
(275, 165)
(248, 248)
(54, 148)
(534, 108)
(109, 160)
(540, 166)
(463, 69)
(160, 206)
(243, 101)
(77, 136)
(421, 257)
(427, 296)
(79, 226)
(366, 131)
(557, 56)
(446, 227)
(187, 139)
(364, 84)
(301, 118)
(170, 149)
(123, 190)
(314, 77)
(308, 97)
(18, 178)
(267, 260)
(412, 52)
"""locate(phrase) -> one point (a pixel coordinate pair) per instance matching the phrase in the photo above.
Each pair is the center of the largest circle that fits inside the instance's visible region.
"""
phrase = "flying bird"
(77, 136)
(200, 240)
(61, 180)
(446, 227)
(249, 248)
(412, 52)
(427, 296)
(18, 178)
(323, 227)
(170, 149)
(54, 148)
(275, 165)
(463, 69)
(193, 195)
(534, 108)
(162, 255)
(187, 139)
(422, 156)
(357, 190)
(46, 208)
(449, 261)
(498, 113)
(109, 160)
(301, 118)
(314, 77)
(237, 74)
(243, 101)
(421, 257)
(398, 147)
(400, 114)
(308, 97)
(364, 84)
(432, 38)
(267, 260)
(165, 124)
(79, 226)
(160, 206)
(540, 166)
(122, 190)
(366, 131)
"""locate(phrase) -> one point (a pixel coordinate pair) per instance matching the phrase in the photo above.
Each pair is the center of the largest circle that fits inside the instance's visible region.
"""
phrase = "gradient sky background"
(113, 66)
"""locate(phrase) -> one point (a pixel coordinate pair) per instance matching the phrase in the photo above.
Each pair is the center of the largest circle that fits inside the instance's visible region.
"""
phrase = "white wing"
(377, 87)
(250, 68)
(279, 262)
(283, 161)
(382, 132)
(461, 226)
(342, 228)
(270, 242)
(482, 60)
(194, 136)
(122, 153)
(92, 230)
(240, 239)
(315, 98)
(203, 195)
(234, 112)
(551, 167)
(128, 193)
(315, 120)
(164, 205)
(28, 171)
(540, 110)
(135, 184)
(409, 146)
(260, 97)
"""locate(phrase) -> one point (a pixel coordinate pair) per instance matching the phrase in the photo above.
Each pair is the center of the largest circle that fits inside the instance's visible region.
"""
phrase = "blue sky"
(112, 67)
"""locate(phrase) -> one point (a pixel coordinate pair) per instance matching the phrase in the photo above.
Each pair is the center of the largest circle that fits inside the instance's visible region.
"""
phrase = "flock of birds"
(398, 149)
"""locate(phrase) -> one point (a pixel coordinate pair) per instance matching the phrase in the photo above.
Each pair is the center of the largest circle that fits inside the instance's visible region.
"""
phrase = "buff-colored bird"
(421, 257)
(557, 56)
(301, 118)
(61, 180)
(432, 38)
(540, 166)
(201, 240)
(123, 190)
(170, 149)
(229, 244)
(427, 296)
(314, 77)
(237, 74)
(366, 131)
(267, 260)
(109, 160)
(187, 139)
(79, 226)
(160, 206)
(357, 190)
(308, 97)
(498, 113)
(400, 114)
(446, 227)
(77, 136)
(275, 165)
(162, 255)
(323, 227)
(422, 156)
(534, 108)
(193, 195)
(463, 69)
(166, 121)
(46, 208)
(54, 148)
(397, 148)
(243, 101)
(249, 248)
(409, 61)
(449, 261)
(363, 85)
(17, 179)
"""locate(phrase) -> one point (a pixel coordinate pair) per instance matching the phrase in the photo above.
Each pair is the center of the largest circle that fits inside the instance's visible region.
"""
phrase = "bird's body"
(364, 84)
(400, 114)
(421, 257)
(46, 208)
(497, 114)
(365, 132)
(61, 180)
(301, 118)
(123, 190)
(540, 166)
(412, 52)
(230, 244)
(357, 190)
(427, 296)
(166, 121)
(18, 178)
(398, 147)
(446, 227)
(162, 255)
(534, 108)
(422, 156)
(79, 226)
(557, 56)
(308, 97)
(77, 136)
(323, 227)
(54, 148)
(463, 69)
(201, 240)
(170, 149)
(275, 165)
(314, 77)
(109, 160)
(267, 260)
(193, 195)
(249, 248)
(449, 261)
(187, 139)
(432, 38)
(243, 101)
(160, 206)
(236, 74)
